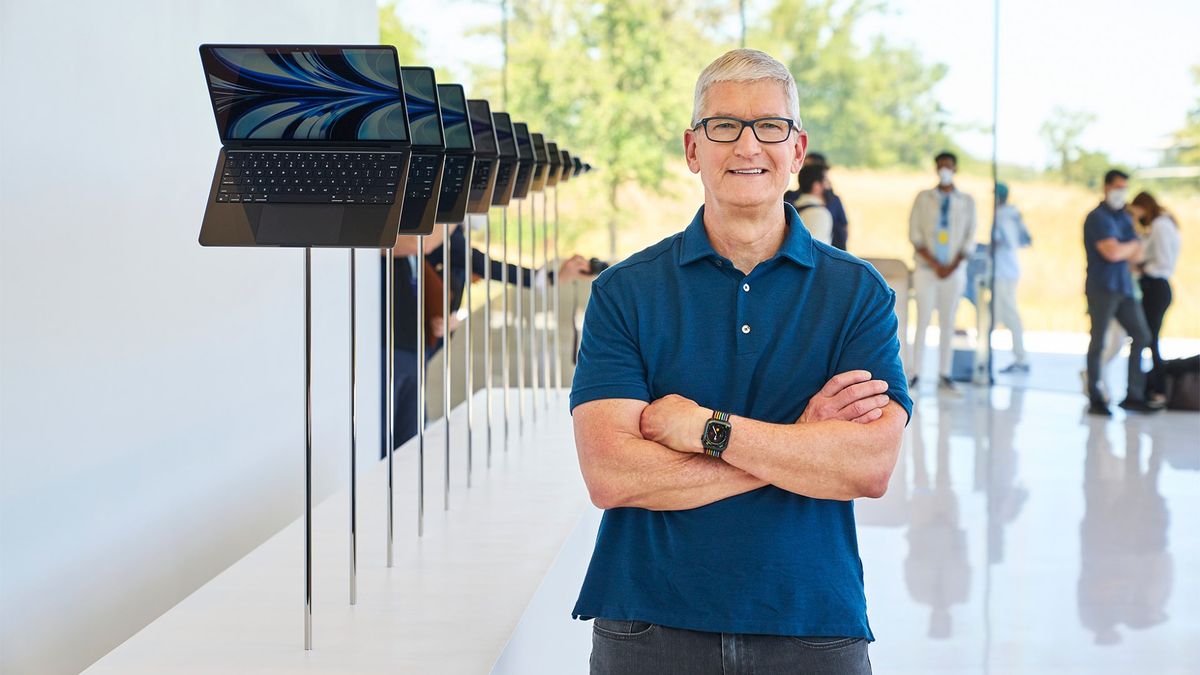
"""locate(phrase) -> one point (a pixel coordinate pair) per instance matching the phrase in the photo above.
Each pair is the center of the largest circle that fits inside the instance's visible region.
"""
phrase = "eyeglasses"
(729, 129)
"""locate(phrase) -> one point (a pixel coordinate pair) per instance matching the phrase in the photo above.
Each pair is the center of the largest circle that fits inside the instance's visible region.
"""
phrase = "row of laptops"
(341, 146)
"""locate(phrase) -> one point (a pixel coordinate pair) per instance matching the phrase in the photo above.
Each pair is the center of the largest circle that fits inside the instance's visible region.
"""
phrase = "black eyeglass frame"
(792, 126)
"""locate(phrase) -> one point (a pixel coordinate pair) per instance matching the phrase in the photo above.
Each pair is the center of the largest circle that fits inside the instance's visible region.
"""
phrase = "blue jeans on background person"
(640, 648)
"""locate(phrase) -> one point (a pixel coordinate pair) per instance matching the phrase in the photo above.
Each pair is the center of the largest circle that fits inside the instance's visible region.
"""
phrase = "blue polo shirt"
(677, 318)
(1102, 275)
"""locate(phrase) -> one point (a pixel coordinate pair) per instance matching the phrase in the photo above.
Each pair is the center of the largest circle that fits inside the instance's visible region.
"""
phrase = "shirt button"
(746, 287)
(745, 328)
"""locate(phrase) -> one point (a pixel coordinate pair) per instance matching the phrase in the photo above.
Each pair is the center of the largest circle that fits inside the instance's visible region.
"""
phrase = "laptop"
(424, 183)
(566, 166)
(578, 166)
(541, 167)
(460, 154)
(555, 164)
(506, 171)
(525, 161)
(487, 156)
(314, 145)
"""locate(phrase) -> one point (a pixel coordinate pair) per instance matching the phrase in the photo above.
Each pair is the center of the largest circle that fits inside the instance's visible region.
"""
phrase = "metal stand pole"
(487, 327)
(308, 449)
(504, 285)
(558, 381)
(470, 358)
(520, 340)
(546, 357)
(420, 272)
(446, 357)
(534, 357)
(389, 282)
(353, 439)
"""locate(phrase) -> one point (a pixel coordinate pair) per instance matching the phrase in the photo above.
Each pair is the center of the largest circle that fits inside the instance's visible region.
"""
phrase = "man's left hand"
(675, 422)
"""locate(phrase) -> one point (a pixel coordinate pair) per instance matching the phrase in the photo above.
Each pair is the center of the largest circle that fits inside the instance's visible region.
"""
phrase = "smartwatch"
(716, 434)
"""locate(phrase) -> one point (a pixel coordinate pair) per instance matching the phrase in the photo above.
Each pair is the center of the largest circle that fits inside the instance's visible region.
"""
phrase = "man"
(742, 548)
(1009, 235)
(941, 228)
(1111, 246)
(841, 227)
(811, 203)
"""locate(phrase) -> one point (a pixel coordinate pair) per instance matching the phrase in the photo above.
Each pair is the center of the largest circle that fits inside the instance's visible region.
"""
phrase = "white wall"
(151, 401)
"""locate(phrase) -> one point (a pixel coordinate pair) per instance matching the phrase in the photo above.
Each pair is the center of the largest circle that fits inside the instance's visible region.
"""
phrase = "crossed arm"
(649, 455)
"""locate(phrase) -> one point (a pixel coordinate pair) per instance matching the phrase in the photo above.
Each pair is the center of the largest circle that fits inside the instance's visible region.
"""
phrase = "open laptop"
(541, 158)
(460, 154)
(525, 161)
(566, 166)
(424, 183)
(315, 144)
(507, 170)
(487, 156)
(555, 164)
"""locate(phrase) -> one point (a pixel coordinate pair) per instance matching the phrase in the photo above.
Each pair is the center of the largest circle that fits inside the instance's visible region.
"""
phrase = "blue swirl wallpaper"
(340, 95)
(454, 117)
(424, 116)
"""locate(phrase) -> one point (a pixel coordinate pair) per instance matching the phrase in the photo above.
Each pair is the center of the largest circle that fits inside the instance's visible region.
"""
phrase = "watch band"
(723, 419)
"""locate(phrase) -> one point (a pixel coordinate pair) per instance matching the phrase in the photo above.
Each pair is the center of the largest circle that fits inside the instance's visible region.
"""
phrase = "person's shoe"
(912, 381)
(1140, 406)
(1016, 368)
(1098, 408)
(947, 386)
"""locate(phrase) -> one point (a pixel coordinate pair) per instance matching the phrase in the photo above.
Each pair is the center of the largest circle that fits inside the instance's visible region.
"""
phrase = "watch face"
(716, 434)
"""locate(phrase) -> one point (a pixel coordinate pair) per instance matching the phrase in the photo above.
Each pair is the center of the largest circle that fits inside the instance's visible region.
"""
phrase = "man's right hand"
(851, 396)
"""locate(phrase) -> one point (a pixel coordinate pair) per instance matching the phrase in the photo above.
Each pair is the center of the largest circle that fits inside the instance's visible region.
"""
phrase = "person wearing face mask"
(941, 228)
(1161, 252)
(1112, 246)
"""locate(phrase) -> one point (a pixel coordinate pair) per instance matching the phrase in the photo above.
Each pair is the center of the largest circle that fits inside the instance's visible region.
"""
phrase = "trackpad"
(300, 225)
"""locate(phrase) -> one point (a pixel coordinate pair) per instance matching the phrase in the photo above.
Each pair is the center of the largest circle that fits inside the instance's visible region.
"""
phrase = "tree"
(874, 107)
(1061, 132)
(392, 32)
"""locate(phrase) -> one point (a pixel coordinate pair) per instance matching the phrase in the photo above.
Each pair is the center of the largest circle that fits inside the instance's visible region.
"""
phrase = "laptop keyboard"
(479, 179)
(454, 176)
(422, 172)
(310, 177)
(504, 173)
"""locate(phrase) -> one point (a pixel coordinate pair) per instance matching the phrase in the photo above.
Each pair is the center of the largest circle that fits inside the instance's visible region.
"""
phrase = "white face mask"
(1116, 198)
(945, 176)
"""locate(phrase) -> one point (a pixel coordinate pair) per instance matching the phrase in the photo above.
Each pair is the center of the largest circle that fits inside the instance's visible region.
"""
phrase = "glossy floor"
(1018, 535)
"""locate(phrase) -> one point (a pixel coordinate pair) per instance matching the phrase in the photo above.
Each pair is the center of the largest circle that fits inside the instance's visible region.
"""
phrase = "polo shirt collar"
(797, 244)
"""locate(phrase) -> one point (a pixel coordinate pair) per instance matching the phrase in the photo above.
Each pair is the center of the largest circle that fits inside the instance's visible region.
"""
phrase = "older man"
(725, 416)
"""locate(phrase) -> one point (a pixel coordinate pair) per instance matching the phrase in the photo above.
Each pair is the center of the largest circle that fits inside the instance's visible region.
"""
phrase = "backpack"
(1183, 383)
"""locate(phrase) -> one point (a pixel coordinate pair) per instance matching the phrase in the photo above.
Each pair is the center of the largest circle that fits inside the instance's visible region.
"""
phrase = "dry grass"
(878, 203)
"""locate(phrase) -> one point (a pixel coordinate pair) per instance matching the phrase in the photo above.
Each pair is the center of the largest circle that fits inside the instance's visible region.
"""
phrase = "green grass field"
(878, 203)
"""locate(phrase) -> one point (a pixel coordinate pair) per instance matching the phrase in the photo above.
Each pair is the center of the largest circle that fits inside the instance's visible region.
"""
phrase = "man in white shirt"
(811, 203)
(1009, 236)
(942, 231)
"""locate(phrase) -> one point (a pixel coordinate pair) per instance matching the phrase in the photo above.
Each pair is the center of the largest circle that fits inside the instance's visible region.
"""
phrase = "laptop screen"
(331, 94)
(524, 145)
(539, 149)
(421, 99)
(454, 117)
(481, 126)
(504, 135)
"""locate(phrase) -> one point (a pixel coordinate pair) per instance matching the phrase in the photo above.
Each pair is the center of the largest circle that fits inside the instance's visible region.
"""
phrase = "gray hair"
(746, 65)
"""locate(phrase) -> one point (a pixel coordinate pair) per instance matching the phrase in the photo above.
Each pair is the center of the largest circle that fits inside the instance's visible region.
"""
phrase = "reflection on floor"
(1018, 535)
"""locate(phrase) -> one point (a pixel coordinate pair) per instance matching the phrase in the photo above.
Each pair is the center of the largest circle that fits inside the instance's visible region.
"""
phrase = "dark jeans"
(404, 426)
(637, 648)
(1103, 306)
(1156, 298)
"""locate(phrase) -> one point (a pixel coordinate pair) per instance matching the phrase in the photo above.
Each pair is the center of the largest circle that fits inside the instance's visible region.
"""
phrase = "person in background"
(941, 228)
(1160, 252)
(1009, 236)
(841, 228)
(811, 203)
(1111, 246)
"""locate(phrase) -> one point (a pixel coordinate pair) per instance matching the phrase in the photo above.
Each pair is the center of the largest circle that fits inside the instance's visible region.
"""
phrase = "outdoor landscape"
(603, 80)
